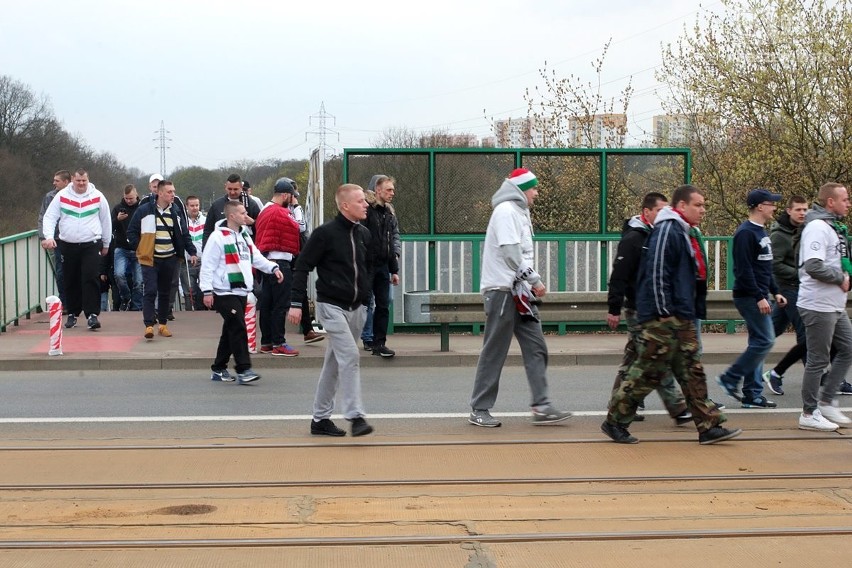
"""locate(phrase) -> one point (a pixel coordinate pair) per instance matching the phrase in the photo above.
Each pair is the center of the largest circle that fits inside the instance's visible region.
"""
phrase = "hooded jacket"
(79, 217)
(667, 272)
(214, 274)
(508, 250)
(338, 251)
(821, 254)
(785, 238)
(622, 282)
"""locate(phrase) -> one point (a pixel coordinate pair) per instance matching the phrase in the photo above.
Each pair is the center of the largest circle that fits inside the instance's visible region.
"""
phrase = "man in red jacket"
(277, 238)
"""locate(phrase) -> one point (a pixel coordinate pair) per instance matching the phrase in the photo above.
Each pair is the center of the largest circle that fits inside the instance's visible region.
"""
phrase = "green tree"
(767, 86)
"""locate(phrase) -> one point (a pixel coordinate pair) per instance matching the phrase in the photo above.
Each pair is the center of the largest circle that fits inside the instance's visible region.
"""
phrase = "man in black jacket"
(622, 293)
(338, 250)
(384, 253)
(124, 257)
(233, 192)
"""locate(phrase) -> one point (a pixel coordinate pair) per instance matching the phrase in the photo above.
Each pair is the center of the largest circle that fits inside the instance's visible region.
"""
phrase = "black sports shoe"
(360, 427)
(93, 322)
(71, 321)
(383, 351)
(618, 434)
(845, 388)
(717, 434)
(684, 417)
(326, 427)
(170, 316)
(759, 402)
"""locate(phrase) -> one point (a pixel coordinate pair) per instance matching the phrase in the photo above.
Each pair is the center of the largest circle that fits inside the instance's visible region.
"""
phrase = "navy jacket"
(666, 285)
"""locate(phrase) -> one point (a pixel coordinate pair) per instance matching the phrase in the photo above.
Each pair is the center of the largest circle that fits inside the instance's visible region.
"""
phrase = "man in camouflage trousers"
(666, 309)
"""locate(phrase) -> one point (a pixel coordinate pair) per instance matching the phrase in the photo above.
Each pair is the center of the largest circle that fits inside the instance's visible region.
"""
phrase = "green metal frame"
(26, 278)
(519, 154)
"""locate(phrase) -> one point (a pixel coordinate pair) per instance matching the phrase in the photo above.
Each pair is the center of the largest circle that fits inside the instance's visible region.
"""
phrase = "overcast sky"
(237, 80)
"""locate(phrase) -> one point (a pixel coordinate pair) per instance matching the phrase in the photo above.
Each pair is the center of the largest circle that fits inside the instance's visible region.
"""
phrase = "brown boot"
(164, 331)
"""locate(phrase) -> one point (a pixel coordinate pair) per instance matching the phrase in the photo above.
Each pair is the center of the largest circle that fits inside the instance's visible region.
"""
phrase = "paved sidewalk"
(119, 345)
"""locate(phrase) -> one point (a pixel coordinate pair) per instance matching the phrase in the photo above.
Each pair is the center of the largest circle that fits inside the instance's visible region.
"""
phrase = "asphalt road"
(290, 393)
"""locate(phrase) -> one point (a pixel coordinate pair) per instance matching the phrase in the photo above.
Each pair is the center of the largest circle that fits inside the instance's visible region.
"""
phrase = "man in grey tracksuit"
(509, 286)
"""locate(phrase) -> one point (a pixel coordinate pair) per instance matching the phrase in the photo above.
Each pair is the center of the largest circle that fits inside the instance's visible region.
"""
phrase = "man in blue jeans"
(753, 284)
(124, 261)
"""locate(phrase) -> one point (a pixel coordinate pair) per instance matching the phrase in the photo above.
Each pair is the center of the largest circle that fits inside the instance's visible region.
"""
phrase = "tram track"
(454, 501)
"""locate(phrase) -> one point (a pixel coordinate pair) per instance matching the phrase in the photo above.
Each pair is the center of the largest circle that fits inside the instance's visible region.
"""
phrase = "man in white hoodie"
(509, 285)
(82, 215)
(226, 279)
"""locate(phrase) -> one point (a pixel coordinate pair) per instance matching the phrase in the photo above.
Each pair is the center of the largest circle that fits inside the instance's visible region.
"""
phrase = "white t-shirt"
(509, 224)
(820, 241)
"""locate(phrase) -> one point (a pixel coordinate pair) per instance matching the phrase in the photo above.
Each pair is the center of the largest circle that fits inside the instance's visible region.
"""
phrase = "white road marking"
(296, 417)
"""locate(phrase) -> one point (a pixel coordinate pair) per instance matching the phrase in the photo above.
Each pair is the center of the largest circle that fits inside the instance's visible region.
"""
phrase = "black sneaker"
(383, 351)
(718, 405)
(171, 316)
(71, 322)
(717, 434)
(618, 434)
(326, 427)
(759, 402)
(638, 418)
(684, 417)
(93, 322)
(845, 388)
(360, 427)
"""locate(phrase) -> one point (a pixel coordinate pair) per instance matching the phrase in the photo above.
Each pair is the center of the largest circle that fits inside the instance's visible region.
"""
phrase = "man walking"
(195, 223)
(159, 235)
(233, 192)
(338, 251)
(226, 280)
(277, 238)
(81, 214)
(124, 256)
(666, 310)
(510, 285)
(753, 286)
(61, 179)
(622, 292)
(824, 272)
(785, 235)
(384, 252)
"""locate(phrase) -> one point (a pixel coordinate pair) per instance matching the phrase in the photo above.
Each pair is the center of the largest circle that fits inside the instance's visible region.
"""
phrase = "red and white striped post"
(54, 308)
(251, 322)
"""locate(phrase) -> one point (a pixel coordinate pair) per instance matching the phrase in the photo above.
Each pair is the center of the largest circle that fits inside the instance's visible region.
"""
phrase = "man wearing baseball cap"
(754, 286)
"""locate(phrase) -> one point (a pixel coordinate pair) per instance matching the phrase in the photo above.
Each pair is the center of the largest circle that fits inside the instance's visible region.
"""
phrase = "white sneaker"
(832, 412)
(816, 422)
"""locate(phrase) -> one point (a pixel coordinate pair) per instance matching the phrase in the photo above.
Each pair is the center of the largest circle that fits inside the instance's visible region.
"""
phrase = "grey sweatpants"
(502, 321)
(342, 364)
(821, 330)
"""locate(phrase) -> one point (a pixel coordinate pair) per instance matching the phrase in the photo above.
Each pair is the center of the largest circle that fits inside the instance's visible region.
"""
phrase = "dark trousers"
(381, 296)
(157, 285)
(307, 324)
(81, 267)
(60, 277)
(273, 304)
(234, 338)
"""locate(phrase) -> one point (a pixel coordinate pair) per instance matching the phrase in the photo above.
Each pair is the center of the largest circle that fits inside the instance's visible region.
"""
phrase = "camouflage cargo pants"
(665, 346)
(669, 392)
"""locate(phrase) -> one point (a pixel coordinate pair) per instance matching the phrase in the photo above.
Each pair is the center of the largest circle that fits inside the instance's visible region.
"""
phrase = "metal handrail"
(26, 277)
